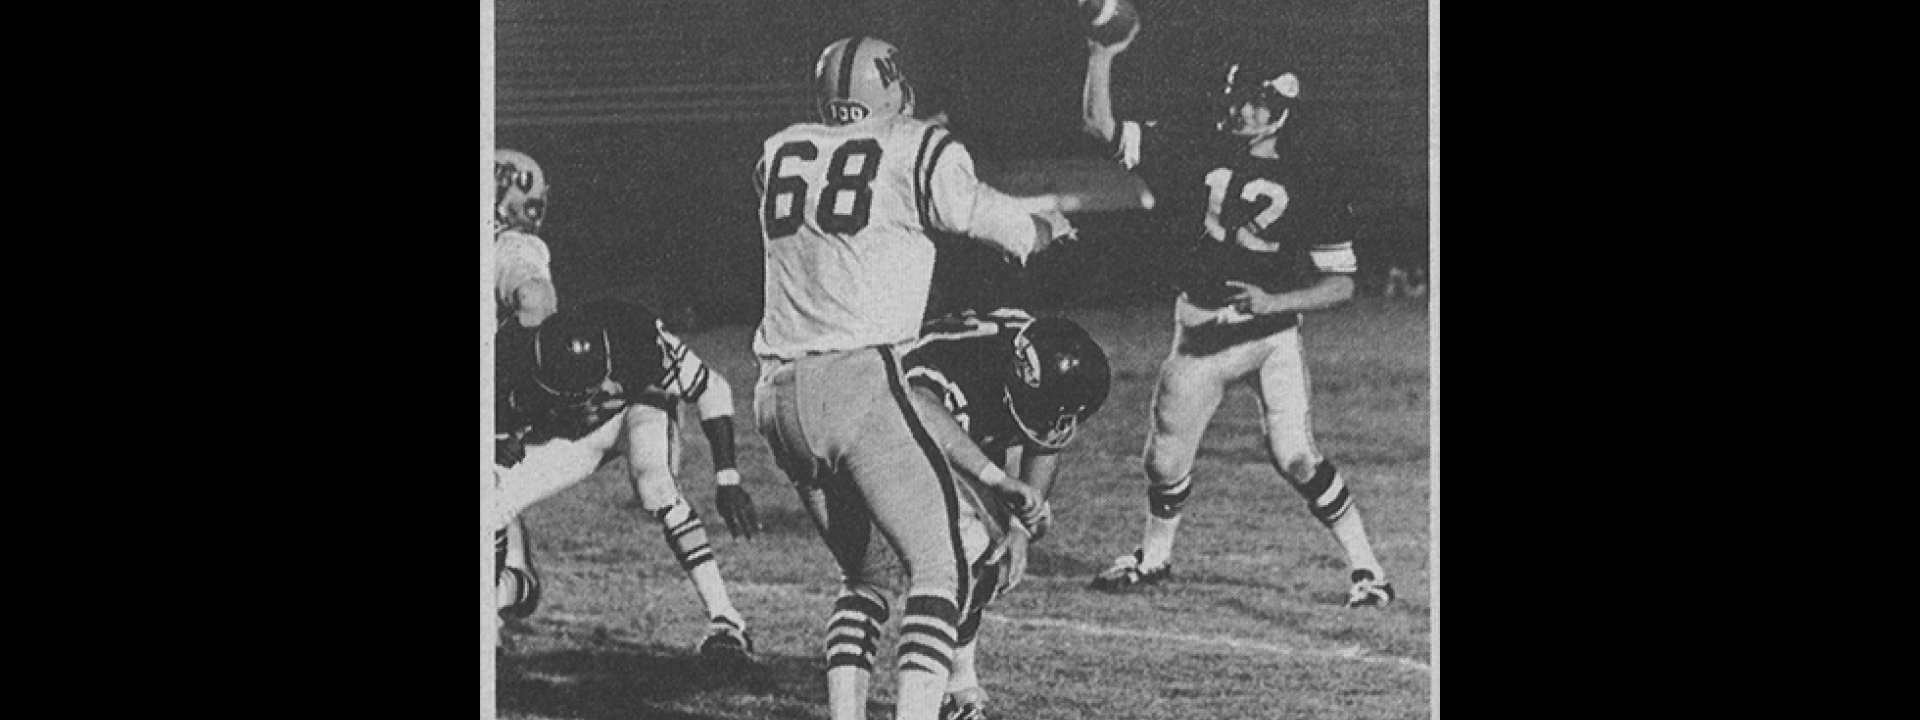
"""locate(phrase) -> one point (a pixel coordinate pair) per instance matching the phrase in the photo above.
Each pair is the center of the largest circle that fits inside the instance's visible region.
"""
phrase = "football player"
(523, 282)
(1006, 391)
(590, 381)
(1277, 242)
(846, 207)
(523, 295)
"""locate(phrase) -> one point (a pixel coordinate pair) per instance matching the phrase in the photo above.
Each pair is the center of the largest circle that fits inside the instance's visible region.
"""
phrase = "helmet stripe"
(845, 90)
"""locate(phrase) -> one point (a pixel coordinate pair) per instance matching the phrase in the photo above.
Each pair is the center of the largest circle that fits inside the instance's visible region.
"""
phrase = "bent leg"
(649, 440)
(1184, 401)
(1285, 397)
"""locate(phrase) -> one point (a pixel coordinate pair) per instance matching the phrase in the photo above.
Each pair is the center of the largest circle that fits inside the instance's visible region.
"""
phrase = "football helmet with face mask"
(1257, 100)
(1059, 378)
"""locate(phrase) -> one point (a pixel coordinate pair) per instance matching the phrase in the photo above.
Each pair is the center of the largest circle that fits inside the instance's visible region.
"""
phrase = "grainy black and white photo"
(959, 359)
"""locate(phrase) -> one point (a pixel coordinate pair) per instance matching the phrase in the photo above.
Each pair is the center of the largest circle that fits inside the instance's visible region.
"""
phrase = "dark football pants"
(842, 427)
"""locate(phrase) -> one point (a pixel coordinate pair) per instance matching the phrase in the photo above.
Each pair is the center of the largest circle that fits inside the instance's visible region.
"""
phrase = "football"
(1107, 21)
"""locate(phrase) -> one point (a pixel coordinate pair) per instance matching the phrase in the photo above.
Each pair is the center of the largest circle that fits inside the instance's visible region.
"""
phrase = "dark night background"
(648, 118)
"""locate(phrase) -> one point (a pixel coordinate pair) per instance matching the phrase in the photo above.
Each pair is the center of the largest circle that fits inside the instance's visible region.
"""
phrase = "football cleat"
(965, 704)
(1127, 573)
(726, 641)
(1368, 591)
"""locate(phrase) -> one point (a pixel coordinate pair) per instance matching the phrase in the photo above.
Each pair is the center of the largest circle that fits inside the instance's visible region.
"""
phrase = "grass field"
(1250, 627)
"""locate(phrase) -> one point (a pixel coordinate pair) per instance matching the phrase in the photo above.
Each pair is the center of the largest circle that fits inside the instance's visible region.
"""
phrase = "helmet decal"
(1060, 378)
(848, 89)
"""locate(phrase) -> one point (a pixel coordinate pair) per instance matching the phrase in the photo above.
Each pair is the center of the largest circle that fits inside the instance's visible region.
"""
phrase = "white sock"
(847, 692)
(920, 694)
(1156, 547)
(1351, 531)
(713, 592)
(963, 676)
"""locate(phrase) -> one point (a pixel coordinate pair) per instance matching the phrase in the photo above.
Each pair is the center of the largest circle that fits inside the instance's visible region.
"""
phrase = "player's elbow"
(1100, 128)
(717, 401)
(538, 301)
(717, 383)
(1338, 289)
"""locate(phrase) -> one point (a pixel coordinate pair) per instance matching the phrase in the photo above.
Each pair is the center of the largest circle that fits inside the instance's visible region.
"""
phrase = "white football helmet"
(858, 78)
(520, 191)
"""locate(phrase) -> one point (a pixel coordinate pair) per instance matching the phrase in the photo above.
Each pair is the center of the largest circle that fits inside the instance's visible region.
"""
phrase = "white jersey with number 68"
(844, 213)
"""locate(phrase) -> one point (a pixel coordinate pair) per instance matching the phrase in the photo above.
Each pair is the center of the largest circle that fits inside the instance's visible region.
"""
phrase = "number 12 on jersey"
(846, 196)
(1265, 198)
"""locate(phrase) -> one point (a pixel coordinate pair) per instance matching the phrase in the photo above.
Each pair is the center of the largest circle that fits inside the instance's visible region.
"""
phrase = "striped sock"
(854, 628)
(927, 634)
(926, 654)
(686, 535)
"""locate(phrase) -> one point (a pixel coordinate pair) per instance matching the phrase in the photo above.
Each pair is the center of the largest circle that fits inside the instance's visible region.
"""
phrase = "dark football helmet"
(1270, 86)
(1059, 378)
(572, 355)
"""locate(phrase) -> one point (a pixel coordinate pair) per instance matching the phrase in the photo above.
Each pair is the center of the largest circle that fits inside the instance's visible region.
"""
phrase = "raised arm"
(1097, 96)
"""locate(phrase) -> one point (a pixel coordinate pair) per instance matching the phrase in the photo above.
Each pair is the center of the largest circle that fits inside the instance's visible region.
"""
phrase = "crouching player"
(587, 383)
(1007, 382)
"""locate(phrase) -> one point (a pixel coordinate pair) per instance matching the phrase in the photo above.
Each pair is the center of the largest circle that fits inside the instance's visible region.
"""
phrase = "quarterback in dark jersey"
(1277, 241)
(607, 377)
(1001, 390)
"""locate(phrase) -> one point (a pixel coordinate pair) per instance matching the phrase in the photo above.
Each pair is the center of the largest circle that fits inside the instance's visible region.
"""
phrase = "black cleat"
(1127, 574)
(726, 641)
(1368, 592)
(968, 704)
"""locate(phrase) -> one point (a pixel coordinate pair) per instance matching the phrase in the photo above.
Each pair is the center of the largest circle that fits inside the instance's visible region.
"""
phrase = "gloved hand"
(736, 508)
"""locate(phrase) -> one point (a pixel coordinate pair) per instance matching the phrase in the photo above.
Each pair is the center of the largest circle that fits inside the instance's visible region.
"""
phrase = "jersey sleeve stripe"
(923, 172)
(698, 387)
(1335, 258)
(919, 182)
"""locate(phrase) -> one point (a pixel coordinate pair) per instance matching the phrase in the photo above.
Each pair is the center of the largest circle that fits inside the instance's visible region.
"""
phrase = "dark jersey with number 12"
(1275, 223)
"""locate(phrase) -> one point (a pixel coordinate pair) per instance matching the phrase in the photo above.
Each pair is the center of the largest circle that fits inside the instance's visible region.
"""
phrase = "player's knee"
(1167, 461)
(1296, 467)
(520, 592)
(655, 486)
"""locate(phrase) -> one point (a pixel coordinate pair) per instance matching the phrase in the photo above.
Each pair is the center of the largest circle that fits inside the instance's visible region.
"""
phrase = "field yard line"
(1350, 653)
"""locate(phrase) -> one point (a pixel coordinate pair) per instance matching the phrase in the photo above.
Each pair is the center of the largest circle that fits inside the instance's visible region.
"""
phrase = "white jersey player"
(846, 208)
(522, 275)
(523, 294)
